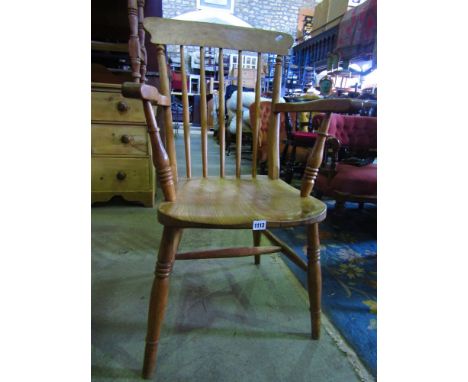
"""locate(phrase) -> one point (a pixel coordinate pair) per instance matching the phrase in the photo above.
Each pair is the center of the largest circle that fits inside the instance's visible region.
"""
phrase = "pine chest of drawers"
(120, 149)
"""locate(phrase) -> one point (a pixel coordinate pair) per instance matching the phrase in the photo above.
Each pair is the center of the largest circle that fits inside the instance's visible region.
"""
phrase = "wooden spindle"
(256, 127)
(141, 35)
(239, 115)
(134, 41)
(274, 125)
(166, 110)
(160, 158)
(186, 117)
(203, 113)
(315, 158)
(221, 130)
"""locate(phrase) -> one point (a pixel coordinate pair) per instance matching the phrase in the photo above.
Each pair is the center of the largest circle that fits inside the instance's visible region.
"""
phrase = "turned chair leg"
(159, 294)
(257, 235)
(314, 278)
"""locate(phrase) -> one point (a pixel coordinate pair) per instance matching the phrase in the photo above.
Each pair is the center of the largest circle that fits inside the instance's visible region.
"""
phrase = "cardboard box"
(249, 77)
(336, 8)
(321, 14)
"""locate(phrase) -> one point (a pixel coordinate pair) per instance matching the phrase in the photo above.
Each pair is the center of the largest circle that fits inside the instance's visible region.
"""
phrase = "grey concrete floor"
(227, 320)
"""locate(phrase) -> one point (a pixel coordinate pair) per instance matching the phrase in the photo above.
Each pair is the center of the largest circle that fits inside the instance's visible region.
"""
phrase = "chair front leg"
(159, 295)
(314, 278)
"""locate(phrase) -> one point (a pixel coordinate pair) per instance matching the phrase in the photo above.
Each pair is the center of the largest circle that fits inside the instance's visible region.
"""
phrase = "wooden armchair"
(240, 201)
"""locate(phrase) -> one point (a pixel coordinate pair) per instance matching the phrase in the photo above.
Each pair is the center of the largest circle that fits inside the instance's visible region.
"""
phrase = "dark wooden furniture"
(221, 201)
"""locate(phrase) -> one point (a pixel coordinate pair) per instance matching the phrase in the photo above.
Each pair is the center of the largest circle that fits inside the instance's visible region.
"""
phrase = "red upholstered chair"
(265, 112)
(351, 179)
(298, 139)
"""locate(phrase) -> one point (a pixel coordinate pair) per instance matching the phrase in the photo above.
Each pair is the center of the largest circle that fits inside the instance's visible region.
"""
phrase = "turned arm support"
(315, 158)
(161, 160)
(149, 96)
(327, 106)
(145, 93)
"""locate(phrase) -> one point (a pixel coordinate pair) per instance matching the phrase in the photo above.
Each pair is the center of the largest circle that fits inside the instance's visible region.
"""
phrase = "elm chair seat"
(233, 202)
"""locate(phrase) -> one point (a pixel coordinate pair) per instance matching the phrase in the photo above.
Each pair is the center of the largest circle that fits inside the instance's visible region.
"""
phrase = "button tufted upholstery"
(303, 138)
(357, 133)
(354, 131)
(265, 112)
(350, 180)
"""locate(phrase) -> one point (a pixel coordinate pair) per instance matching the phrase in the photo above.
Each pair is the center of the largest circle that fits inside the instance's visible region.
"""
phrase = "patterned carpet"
(349, 273)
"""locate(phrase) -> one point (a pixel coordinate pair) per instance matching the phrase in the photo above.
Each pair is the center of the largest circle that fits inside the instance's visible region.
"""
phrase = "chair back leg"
(257, 236)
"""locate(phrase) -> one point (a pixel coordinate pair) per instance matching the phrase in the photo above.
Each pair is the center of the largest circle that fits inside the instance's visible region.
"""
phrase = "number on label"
(259, 225)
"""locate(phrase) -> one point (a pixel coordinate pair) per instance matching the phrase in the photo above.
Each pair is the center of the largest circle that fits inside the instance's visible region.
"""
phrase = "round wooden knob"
(125, 138)
(122, 106)
(121, 175)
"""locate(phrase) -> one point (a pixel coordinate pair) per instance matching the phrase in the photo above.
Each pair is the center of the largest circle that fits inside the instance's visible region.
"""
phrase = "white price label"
(259, 225)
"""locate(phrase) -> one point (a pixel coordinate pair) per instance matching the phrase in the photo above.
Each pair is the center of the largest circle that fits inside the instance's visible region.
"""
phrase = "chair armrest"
(144, 92)
(338, 105)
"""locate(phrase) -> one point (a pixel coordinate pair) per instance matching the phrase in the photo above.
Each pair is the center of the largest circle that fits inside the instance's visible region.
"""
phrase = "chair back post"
(274, 124)
(134, 39)
(141, 36)
(166, 110)
(137, 52)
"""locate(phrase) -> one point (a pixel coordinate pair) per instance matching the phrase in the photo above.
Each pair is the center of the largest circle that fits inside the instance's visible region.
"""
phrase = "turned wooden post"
(314, 278)
(159, 294)
(141, 35)
(134, 40)
(315, 158)
(257, 237)
(160, 158)
(274, 125)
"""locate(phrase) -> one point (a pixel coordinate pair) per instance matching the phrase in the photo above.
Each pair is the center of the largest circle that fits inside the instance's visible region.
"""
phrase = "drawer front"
(113, 107)
(119, 140)
(121, 174)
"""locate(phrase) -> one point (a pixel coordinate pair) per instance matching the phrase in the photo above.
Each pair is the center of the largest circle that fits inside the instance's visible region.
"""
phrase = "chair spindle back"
(188, 33)
(185, 33)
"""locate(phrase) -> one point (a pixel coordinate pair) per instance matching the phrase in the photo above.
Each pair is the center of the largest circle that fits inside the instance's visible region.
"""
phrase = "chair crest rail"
(195, 33)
